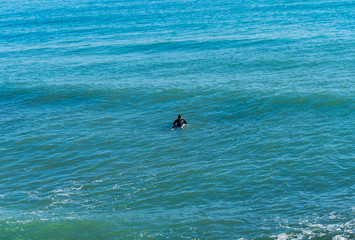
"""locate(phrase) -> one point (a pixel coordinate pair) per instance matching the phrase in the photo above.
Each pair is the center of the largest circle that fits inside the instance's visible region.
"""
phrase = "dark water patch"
(44, 229)
(148, 227)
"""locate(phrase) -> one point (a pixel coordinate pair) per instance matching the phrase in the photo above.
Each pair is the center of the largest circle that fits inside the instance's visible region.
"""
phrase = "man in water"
(180, 122)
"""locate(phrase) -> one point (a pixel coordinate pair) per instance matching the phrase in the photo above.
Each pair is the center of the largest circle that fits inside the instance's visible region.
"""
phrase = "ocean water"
(89, 90)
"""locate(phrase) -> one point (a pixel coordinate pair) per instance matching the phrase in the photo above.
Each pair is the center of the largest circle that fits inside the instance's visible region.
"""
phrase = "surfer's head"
(179, 117)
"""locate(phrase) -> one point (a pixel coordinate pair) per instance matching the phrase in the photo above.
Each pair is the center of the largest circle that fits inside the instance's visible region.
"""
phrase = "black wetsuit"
(179, 122)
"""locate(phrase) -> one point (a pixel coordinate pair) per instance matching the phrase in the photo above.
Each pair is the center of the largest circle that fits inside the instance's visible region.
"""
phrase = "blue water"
(89, 90)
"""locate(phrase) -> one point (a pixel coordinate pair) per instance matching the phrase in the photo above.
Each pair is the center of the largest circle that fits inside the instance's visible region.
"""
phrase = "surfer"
(180, 122)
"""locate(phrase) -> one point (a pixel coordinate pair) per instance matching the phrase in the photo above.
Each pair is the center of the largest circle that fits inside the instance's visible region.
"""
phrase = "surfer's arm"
(174, 125)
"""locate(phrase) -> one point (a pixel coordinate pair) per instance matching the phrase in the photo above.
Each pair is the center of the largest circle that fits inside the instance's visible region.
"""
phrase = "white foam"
(339, 237)
(97, 181)
(282, 236)
(63, 194)
(332, 215)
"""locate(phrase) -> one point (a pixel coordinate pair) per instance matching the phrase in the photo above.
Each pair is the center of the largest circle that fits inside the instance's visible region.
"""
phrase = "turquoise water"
(89, 90)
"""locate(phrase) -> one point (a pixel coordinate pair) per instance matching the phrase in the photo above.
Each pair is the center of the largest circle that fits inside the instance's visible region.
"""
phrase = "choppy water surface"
(89, 90)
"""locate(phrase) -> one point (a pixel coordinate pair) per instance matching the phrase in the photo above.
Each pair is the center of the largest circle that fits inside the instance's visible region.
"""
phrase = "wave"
(63, 94)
